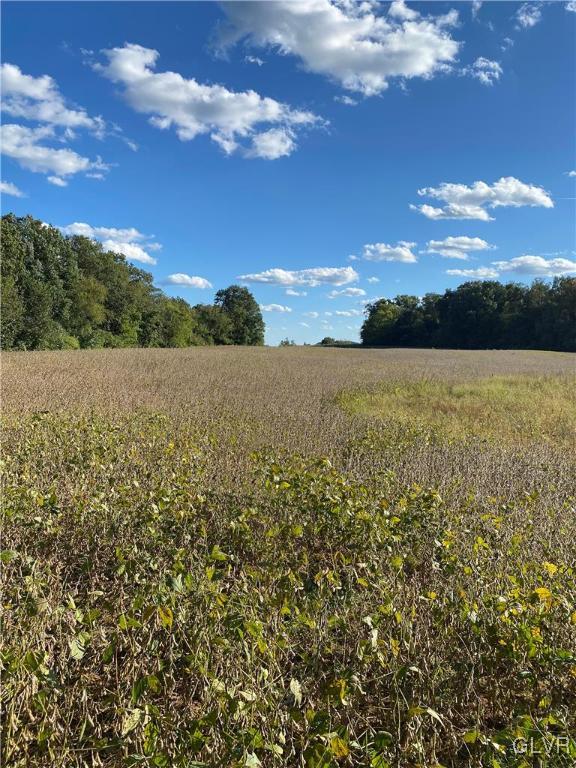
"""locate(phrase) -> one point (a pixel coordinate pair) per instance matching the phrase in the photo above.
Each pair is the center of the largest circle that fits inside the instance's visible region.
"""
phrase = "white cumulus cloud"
(27, 146)
(237, 121)
(537, 266)
(100, 233)
(457, 247)
(453, 211)
(358, 45)
(129, 242)
(292, 292)
(272, 144)
(132, 251)
(189, 281)
(310, 277)
(402, 252)
(471, 202)
(7, 188)
(39, 99)
(399, 10)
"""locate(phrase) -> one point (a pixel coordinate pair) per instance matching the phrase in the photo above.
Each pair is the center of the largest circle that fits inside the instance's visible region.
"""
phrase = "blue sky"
(322, 154)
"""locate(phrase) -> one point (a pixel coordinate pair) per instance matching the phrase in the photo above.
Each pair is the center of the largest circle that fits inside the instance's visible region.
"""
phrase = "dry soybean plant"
(245, 557)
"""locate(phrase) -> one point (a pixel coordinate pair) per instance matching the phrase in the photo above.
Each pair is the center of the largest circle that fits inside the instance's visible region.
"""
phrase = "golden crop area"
(289, 557)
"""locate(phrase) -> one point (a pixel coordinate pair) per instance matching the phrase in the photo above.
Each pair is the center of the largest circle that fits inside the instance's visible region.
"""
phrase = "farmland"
(288, 557)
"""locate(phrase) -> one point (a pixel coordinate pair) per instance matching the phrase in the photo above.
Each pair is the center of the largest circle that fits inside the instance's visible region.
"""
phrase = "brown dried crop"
(288, 557)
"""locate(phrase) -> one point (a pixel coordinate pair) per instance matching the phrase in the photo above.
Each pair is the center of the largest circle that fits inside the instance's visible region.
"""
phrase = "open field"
(289, 557)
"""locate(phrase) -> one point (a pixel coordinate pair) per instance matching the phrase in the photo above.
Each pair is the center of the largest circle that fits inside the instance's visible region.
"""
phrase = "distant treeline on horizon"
(482, 314)
(69, 293)
(63, 292)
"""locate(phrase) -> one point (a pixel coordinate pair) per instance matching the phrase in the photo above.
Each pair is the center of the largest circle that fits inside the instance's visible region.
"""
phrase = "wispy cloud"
(275, 308)
(347, 292)
(528, 15)
(480, 272)
(485, 70)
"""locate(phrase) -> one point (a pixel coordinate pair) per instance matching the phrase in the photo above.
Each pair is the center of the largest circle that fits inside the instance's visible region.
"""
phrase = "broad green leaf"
(78, 645)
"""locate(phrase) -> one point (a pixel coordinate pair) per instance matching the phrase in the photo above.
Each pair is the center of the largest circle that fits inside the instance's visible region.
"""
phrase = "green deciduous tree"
(244, 313)
(65, 292)
(478, 315)
(379, 324)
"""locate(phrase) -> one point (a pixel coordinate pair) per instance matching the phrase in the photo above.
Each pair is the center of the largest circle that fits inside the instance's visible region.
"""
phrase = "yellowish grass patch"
(507, 408)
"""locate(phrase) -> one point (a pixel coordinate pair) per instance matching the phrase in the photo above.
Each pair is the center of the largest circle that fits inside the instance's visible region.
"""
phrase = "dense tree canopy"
(68, 292)
(478, 315)
(246, 323)
(329, 341)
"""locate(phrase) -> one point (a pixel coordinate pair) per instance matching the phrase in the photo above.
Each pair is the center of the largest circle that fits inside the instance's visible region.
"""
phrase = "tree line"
(62, 292)
(483, 314)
